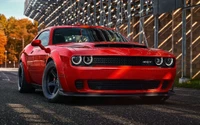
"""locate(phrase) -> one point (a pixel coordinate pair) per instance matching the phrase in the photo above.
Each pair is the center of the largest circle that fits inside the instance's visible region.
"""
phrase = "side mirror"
(36, 42)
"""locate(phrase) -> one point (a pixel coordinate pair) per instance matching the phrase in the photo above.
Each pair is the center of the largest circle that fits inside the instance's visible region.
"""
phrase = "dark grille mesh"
(132, 61)
(122, 84)
(165, 84)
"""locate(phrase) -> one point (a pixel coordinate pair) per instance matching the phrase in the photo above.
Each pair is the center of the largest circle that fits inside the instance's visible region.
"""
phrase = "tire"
(23, 86)
(154, 99)
(50, 83)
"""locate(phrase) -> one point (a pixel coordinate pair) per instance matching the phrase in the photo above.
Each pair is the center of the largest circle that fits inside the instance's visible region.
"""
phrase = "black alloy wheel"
(23, 86)
(50, 83)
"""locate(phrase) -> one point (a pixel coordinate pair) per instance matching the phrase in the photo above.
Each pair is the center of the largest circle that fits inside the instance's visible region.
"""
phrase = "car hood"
(115, 49)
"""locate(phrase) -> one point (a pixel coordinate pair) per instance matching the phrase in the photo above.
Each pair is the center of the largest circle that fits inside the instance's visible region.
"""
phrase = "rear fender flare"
(24, 63)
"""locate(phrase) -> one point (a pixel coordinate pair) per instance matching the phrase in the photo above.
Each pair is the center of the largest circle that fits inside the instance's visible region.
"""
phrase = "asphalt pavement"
(33, 109)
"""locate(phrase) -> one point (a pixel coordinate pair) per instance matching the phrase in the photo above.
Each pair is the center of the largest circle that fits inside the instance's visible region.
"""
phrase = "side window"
(44, 37)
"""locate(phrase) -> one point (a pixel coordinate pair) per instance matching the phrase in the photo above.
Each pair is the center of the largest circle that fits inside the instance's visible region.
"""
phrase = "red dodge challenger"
(85, 60)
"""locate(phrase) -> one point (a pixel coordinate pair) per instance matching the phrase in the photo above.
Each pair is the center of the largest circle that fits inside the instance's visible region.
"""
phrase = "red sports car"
(85, 60)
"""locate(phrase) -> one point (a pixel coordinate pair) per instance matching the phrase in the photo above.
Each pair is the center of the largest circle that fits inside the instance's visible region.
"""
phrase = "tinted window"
(44, 37)
(63, 35)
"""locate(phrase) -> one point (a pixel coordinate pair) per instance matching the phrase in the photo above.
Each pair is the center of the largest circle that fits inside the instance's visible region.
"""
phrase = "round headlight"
(169, 61)
(76, 60)
(88, 60)
(159, 61)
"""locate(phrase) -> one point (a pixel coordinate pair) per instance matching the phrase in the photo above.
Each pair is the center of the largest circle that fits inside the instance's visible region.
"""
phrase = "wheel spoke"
(52, 87)
(54, 73)
(55, 89)
(57, 82)
(51, 84)
(56, 86)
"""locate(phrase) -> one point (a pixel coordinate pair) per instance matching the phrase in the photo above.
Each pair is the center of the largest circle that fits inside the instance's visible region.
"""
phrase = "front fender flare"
(60, 70)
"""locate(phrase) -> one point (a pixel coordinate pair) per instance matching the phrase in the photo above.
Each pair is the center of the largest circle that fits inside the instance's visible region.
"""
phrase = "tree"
(3, 41)
(12, 54)
(3, 22)
(11, 25)
(15, 34)
(20, 33)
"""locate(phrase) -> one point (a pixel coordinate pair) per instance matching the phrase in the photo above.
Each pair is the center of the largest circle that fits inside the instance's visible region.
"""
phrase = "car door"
(29, 57)
(40, 57)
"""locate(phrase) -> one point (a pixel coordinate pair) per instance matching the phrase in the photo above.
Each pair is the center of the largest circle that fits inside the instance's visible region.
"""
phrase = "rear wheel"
(50, 83)
(23, 86)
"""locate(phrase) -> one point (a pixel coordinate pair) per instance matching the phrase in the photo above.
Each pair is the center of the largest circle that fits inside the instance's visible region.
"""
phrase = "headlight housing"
(88, 60)
(81, 60)
(158, 61)
(76, 60)
(169, 61)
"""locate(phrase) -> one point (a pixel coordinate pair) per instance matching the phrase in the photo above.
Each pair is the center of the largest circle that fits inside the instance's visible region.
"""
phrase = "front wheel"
(50, 83)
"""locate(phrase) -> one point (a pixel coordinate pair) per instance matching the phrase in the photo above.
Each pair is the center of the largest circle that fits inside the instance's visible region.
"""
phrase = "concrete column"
(109, 13)
(94, 13)
(88, 12)
(173, 32)
(191, 39)
(129, 18)
(184, 48)
(117, 14)
(101, 13)
(141, 21)
(156, 28)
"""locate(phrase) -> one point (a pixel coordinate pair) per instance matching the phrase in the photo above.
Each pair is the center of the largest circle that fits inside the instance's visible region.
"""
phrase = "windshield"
(79, 35)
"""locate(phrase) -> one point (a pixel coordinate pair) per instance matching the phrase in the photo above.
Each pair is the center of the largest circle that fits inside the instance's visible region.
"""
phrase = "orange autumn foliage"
(3, 41)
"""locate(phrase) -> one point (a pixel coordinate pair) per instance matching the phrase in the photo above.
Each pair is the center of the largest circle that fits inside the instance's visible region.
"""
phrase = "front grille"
(123, 84)
(79, 84)
(130, 61)
(165, 84)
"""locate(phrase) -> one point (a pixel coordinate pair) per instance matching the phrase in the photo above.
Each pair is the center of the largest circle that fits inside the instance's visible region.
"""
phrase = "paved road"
(33, 109)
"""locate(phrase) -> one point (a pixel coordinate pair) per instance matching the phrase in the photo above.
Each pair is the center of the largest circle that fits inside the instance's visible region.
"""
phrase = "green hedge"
(195, 84)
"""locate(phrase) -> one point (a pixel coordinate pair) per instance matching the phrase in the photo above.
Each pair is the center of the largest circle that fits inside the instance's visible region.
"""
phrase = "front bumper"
(120, 73)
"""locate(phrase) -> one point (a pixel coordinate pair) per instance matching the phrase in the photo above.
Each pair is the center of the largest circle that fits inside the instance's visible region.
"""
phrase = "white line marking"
(7, 78)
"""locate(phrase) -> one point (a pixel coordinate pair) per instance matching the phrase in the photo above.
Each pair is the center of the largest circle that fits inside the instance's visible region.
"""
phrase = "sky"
(13, 8)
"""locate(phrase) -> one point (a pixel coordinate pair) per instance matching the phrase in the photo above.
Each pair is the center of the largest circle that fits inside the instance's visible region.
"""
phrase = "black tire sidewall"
(51, 98)
(23, 86)
(21, 78)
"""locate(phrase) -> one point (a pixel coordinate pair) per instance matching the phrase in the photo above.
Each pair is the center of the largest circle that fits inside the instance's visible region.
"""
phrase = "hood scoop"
(120, 45)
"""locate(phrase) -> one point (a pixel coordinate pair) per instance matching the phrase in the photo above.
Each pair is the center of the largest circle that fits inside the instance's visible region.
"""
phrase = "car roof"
(77, 26)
